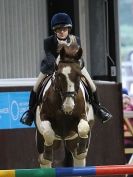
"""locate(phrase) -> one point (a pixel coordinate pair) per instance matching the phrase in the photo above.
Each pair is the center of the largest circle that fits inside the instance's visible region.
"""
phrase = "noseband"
(68, 94)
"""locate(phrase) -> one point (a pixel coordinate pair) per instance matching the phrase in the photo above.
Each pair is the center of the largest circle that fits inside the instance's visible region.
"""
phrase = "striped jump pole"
(63, 172)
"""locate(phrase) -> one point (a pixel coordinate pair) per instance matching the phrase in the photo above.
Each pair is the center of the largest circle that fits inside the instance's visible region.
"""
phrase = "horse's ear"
(62, 53)
(79, 53)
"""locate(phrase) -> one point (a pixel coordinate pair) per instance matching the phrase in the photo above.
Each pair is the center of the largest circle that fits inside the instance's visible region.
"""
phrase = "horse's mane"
(70, 51)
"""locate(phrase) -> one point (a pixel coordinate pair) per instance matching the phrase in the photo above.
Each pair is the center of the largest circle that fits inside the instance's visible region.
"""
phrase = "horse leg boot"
(48, 154)
(45, 158)
(101, 112)
(82, 145)
(29, 116)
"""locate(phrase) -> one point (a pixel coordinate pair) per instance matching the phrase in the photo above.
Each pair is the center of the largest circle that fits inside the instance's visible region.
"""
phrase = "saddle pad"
(42, 87)
(86, 89)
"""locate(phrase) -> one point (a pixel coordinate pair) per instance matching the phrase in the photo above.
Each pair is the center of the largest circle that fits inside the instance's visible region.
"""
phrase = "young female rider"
(61, 24)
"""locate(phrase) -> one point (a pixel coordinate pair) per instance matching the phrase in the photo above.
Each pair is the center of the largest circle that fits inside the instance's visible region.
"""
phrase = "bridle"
(68, 94)
(63, 94)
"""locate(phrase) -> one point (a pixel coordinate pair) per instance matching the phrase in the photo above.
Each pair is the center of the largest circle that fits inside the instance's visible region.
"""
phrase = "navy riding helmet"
(61, 19)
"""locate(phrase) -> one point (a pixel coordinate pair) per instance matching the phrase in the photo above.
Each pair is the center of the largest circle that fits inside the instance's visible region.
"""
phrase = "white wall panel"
(23, 27)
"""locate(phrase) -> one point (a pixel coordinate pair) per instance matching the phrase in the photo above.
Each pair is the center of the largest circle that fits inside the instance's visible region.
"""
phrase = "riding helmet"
(61, 20)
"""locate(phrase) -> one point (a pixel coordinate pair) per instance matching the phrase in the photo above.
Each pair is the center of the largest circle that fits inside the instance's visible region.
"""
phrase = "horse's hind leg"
(40, 146)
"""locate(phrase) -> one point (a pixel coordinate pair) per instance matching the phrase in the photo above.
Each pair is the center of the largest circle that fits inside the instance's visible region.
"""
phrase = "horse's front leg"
(82, 146)
(49, 137)
(45, 129)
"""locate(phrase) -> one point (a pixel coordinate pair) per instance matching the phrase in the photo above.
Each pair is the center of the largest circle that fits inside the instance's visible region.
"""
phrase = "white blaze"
(68, 104)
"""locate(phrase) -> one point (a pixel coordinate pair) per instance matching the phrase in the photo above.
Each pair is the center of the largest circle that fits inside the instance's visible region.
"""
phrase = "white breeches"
(87, 76)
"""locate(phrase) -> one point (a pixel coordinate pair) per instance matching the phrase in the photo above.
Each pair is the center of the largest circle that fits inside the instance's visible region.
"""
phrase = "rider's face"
(62, 32)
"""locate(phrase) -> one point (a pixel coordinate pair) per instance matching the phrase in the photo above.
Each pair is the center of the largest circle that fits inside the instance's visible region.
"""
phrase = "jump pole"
(70, 171)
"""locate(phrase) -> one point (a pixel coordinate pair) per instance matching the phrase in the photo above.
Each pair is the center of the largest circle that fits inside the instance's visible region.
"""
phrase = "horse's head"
(68, 76)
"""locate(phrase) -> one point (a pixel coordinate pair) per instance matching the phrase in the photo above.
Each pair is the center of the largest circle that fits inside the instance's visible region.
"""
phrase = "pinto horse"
(64, 114)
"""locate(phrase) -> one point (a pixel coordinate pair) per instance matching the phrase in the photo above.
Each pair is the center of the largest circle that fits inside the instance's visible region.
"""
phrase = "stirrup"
(104, 114)
(26, 119)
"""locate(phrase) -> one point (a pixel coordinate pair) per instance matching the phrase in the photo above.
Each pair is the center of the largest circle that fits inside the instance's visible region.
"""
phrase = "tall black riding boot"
(101, 112)
(28, 117)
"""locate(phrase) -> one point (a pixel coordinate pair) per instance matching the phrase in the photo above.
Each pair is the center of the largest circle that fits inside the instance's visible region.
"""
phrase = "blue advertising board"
(12, 107)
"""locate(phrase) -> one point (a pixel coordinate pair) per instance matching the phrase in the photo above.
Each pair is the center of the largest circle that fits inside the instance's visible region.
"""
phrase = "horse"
(64, 114)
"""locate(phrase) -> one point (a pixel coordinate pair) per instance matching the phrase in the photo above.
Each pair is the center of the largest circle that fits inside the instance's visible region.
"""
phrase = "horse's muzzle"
(68, 105)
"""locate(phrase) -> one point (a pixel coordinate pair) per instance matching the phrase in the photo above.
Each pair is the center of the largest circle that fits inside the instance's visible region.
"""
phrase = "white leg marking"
(79, 160)
(79, 163)
(44, 163)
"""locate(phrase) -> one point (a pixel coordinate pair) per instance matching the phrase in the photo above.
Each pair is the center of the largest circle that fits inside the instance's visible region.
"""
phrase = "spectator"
(127, 106)
(127, 103)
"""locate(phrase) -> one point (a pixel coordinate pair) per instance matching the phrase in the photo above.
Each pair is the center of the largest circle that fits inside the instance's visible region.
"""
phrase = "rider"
(61, 25)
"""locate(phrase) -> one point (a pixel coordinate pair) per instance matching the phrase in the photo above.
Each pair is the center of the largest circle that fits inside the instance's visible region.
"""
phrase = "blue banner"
(12, 106)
